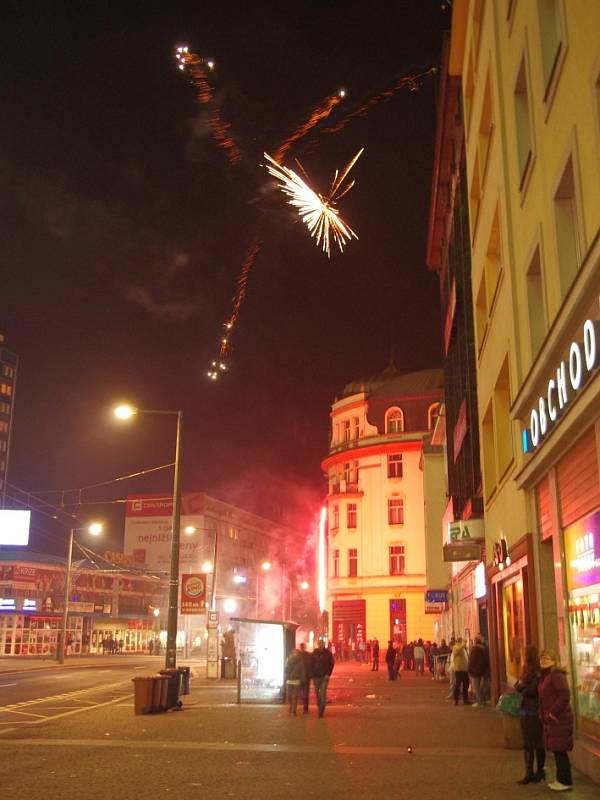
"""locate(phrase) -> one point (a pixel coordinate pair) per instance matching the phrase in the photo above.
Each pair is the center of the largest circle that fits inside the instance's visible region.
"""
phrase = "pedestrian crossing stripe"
(66, 695)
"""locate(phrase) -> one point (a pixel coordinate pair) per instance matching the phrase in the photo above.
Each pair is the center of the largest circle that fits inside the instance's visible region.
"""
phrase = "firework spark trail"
(317, 212)
(240, 292)
(197, 69)
(410, 82)
(322, 111)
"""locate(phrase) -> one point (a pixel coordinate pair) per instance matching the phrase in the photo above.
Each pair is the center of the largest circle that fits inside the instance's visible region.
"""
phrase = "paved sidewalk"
(395, 739)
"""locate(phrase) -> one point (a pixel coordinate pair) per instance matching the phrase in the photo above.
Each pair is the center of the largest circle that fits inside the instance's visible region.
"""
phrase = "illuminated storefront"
(106, 606)
(582, 555)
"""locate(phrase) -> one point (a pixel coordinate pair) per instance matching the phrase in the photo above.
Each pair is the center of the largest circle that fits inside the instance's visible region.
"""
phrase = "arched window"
(394, 421)
(432, 415)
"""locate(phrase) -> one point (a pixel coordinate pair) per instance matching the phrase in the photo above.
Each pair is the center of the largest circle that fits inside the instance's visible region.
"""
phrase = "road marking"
(343, 750)
(2, 685)
(8, 730)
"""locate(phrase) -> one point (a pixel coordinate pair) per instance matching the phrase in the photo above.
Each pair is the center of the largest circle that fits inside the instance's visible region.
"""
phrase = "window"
(487, 447)
(7, 371)
(6, 388)
(336, 517)
(395, 465)
(566, 215)
(477, 22)
(469, 89)
(3, 426)
(346, 430)
(432, 415)
(355, 427)
(535, 303)
(475, 198)
(481, 313)
(486, 127)
(352, 515)
(397, 559)
(3, 445)
(5, 408)
(502, 421)
(336, 563)
(395, 421)
(233, 533)
(395, 511)
(493, 261)
(550, 40)
(523, 124)
(352, 562)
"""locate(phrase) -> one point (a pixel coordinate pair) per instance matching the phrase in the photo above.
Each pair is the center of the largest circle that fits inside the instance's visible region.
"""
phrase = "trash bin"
(228, 668)
(161, 686)
(174, 687)
(143, 694)
(185, 680)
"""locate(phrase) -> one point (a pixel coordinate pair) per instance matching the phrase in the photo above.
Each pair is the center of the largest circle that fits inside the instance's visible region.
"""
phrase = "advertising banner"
(193, 593)
(582, 552)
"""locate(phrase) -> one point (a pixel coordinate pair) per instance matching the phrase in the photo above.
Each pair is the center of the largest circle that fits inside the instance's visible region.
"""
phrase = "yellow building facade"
(530, 74)
(376, 507)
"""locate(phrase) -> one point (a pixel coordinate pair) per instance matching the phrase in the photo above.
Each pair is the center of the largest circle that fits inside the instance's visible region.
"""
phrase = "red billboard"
(193, 593)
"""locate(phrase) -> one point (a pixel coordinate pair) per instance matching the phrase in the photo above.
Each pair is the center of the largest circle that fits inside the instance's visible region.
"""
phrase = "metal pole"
(213, 595)
(171, 650)
(61, 649)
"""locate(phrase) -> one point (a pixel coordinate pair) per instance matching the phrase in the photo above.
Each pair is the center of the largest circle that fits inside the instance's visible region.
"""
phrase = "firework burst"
(318, 212)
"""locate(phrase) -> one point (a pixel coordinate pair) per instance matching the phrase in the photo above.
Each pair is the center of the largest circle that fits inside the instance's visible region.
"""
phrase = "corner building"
(376, 509)
(530, 77)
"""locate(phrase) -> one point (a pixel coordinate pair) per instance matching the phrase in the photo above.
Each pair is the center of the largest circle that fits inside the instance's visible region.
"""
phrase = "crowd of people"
(545, 713)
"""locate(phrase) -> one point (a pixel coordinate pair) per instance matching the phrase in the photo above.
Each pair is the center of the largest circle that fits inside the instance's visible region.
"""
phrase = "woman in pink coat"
(557, 717)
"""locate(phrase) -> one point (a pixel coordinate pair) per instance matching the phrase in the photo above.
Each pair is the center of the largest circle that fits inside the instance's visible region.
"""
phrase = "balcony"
(344, 487)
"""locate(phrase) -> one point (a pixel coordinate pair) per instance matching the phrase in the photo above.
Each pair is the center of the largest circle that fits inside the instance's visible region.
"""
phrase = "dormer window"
(394, 421)
(433, 414)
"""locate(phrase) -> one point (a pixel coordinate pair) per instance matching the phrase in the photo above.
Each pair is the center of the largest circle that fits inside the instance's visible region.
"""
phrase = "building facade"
(530, 77)
(449, 254)
(9, 363)
(376, 510)
(105, 604)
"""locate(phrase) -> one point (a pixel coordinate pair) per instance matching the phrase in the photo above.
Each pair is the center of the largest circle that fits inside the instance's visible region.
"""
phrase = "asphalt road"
(398, 740)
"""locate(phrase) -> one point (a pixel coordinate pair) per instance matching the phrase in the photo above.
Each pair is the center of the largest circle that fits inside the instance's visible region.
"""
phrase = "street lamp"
(95, 529)
(125, 412)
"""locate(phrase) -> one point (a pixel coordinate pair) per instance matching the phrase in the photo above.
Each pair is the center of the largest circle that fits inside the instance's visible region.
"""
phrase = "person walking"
(305, 684)
(397, 662)
(390, 657)
(479, 670)
(295, 674)
(557, 717)
(419, 658)
(321, 667)
(375, 651)
(460, 666)
(531, 724)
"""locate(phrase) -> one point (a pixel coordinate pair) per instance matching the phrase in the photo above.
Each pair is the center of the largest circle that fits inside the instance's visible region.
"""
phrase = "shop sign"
(213, 619)
(83, 608)
(193, 593)
(463, 551)
(119, 558)
(480, 584)
(434, 608)
(582, 552)
(461, 530)
(29, 605)
(501, 558)
(7, 604)
(564, 385)
(436, 596)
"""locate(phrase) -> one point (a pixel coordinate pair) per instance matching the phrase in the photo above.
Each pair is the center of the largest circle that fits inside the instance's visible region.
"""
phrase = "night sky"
(124, 228)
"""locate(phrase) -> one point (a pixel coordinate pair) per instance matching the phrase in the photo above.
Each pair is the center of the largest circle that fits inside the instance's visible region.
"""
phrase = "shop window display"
(514, 628)
(582, 549)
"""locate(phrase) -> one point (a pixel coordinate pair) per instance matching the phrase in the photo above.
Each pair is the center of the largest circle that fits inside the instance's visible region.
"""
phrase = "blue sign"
(436, 596)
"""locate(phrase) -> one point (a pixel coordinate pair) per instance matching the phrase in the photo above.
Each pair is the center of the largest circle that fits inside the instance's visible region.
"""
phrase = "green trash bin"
(174, 687)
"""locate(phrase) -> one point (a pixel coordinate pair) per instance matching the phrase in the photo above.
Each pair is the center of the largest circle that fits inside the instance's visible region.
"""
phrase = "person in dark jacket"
(557, 717)
(479, 670)
(531, 724)
(321, 667)
(294, 674)
(305, 685)
(390, 657)
(375, 651)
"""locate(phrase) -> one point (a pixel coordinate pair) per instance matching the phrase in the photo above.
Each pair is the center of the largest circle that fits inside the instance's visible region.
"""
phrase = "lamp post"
(125, 412)
(95, 528)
